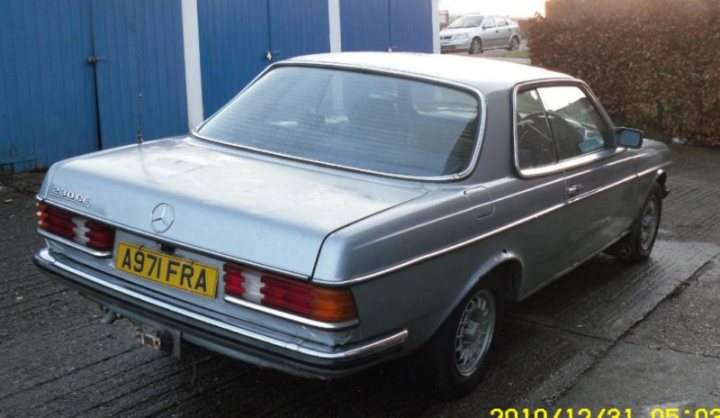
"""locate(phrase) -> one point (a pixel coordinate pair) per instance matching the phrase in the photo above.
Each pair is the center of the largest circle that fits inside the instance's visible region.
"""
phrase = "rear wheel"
(637, 245)
(455, 357)
(476, 47)
(514, 44)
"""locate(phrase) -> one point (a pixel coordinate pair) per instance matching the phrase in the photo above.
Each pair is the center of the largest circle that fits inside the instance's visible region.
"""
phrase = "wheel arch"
(438, 354)
(661, 179)
(502, 273)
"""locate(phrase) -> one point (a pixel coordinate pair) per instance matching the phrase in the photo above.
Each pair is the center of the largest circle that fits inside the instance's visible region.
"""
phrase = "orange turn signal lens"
(332, 305)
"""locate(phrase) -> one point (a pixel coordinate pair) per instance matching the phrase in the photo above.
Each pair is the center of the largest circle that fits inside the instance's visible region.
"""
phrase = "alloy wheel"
(475, 47)
(649, 224)
(475, 332)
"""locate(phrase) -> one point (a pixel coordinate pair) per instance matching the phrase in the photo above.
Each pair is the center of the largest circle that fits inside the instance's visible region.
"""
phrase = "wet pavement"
(670, 360)
(606, 335)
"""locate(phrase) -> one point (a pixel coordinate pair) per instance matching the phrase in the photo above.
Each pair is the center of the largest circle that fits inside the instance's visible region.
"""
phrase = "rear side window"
(489, 22)
(501, 21)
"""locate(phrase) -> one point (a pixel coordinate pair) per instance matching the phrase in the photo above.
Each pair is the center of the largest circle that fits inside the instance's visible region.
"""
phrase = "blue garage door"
(386, 25)
(239, 38)
(298, 28)
(55, 103)
(365, 25)
(140, 69)
(234, 41)
(47, 90)
(411, 25)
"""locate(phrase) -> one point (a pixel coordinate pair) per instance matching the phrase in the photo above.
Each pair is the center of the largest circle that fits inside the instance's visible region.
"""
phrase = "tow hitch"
(167, 341)
(151, 335)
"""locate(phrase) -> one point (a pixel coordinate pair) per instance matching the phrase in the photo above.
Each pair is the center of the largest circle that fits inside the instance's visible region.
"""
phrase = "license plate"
(176, 272)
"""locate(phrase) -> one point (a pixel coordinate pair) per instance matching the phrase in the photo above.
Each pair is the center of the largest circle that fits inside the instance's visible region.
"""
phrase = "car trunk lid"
(267, 212)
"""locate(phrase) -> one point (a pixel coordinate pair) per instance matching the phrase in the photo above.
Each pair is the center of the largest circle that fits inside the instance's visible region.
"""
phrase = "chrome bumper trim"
(73, 244)
(291, 317)
(45, 258)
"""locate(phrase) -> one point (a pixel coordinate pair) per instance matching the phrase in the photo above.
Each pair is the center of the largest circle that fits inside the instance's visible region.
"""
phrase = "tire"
(638, 244)
(514, 44)
(451, 371)
(476, 46)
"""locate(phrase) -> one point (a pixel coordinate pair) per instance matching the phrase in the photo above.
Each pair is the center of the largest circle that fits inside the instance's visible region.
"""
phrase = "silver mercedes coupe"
(346, 209)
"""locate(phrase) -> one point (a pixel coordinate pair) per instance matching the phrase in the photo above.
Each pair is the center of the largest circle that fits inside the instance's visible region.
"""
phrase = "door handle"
(268, 56)
(575, 190)
(94, 59)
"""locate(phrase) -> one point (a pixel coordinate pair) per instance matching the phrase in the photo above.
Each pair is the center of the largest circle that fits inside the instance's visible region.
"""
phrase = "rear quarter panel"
(440, 237)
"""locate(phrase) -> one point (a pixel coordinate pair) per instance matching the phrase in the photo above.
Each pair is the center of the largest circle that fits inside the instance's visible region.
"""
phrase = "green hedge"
(655, 64)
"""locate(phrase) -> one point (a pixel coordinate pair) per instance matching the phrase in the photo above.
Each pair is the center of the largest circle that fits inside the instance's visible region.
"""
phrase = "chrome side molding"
(472, 240)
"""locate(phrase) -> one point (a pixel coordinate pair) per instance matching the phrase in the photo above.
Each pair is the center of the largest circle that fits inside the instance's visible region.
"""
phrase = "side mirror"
(628, 138)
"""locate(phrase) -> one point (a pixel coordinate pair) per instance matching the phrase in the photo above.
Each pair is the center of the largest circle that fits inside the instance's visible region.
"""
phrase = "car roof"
(485, 75)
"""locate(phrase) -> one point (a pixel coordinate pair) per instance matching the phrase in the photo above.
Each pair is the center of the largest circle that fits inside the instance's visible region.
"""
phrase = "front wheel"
(456, 356)
(638, 244)
(476, 47)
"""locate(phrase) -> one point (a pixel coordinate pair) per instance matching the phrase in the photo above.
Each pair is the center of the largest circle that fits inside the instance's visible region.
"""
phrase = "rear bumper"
(281, 352)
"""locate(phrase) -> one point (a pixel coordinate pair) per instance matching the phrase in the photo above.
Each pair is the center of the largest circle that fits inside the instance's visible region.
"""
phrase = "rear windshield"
(363, 121)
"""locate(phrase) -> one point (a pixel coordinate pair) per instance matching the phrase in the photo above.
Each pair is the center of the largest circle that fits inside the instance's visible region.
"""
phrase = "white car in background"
(478, 33)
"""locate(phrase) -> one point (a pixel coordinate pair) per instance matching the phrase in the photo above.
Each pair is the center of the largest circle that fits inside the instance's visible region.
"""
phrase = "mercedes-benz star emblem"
(162, 217)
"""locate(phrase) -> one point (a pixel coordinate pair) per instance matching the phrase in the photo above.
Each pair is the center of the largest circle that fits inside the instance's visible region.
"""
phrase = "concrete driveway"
(606, 335)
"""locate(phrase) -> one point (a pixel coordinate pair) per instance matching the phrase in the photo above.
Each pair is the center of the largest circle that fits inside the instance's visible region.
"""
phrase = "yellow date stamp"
(603, 413)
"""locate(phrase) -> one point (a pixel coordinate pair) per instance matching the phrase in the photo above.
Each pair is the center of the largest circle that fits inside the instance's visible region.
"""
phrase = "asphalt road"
(606, 335)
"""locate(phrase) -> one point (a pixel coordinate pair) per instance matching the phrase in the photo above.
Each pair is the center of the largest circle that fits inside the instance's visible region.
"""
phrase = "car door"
(504, 30)
(541, 196)
(489, 37)
(600, 178)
